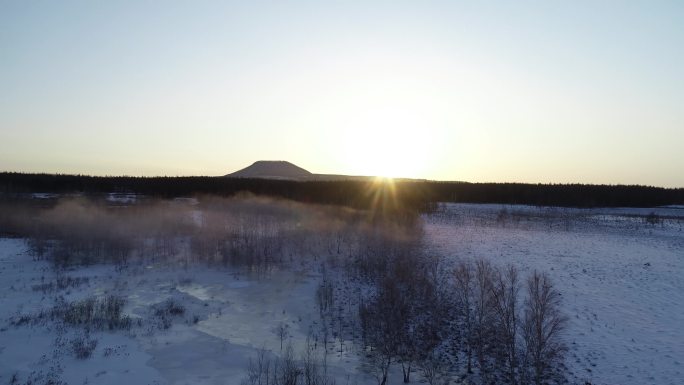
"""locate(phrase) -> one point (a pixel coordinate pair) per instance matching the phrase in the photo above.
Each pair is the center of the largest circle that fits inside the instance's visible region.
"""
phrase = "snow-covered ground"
(620, 271)
(227, 318)
(621, 278)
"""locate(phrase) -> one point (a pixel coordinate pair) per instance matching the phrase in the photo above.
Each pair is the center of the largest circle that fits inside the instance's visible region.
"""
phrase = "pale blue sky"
(547, 91)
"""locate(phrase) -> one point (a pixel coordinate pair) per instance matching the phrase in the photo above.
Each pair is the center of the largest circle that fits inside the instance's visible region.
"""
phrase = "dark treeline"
(568, 195)
(354, 193)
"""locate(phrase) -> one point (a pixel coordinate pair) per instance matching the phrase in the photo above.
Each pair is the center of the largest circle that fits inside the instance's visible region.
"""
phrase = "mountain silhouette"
(272, 169)
(280, 169)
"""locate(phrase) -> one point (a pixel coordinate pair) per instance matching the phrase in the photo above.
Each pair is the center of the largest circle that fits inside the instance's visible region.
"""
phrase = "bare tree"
(542, 330)
(324, 295)
(483, 314)
(377, 365)
(289, 371)
(285, 370)
(463, 279)
(282, 333)
(311, 369)
(505, 292)
(325, 334)
(425, 313)
(383, 318)
(259, 371)
(431, 367)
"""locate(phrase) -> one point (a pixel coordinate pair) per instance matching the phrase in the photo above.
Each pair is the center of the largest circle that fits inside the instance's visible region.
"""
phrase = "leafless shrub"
(432, 368)
(98, 313)
(166, 311)
(653, 219)
(286, 370)
(83, 347)
(61, 283)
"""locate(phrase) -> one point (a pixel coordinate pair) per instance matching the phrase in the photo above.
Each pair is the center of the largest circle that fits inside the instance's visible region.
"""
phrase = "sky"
(480, 91)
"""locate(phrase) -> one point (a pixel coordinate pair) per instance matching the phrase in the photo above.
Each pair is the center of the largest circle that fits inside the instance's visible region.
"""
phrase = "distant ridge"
(283, 170)
(280, 169)
(272, 169)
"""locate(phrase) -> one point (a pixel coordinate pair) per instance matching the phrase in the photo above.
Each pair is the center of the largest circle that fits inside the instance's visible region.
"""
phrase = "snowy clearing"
(622, 279)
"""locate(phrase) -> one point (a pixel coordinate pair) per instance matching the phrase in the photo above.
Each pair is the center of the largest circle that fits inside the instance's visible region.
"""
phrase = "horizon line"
(400, 179)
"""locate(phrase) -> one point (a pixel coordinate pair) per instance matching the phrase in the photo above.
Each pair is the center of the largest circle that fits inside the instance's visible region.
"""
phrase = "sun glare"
(388, 144)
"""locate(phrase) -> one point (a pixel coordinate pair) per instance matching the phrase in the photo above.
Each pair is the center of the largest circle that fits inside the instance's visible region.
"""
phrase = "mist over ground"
(245, 229)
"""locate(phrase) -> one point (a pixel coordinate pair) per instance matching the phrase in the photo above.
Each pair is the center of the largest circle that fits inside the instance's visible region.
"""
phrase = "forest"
(407, 194)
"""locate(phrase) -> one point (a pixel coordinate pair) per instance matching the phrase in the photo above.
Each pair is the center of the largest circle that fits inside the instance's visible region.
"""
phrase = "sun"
(387, 143)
